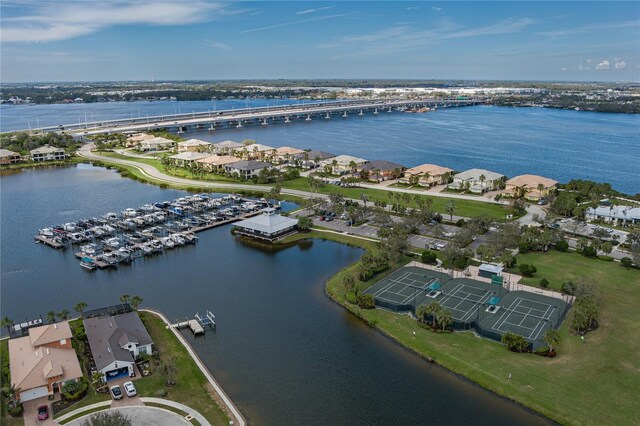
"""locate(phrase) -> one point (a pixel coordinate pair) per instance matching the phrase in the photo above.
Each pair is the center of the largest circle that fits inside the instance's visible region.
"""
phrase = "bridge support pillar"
(264, 122)
(361, 112)
(327, 116)
(308, 117)
(375, 111)
(239, 126)
(286, 119)
(345, 115)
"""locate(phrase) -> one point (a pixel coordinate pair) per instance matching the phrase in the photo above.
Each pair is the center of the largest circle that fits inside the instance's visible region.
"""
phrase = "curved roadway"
(153, 173)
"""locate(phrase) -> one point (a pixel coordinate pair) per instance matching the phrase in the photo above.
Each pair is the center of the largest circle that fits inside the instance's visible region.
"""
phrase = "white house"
(614, 214)
(48, 153)
(116, 341)
(476, 181)
(246, 169)
(343, 163)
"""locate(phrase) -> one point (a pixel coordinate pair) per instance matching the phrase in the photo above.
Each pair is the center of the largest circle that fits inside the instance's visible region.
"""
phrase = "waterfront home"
(156, 144)
(285, 154)
(226, 147)
(48, 153)
(42, 362)
(9, 157)
(531, 187)
(382, 170)
(246, 169)
(477, 181)
(311, 159)
(216, 163)
(187, 158)
(268, 226)
(115, 342)
(194, 145)
(343, 164)
(135, 139)
(427, 175)
(256, 151)
(618, 215)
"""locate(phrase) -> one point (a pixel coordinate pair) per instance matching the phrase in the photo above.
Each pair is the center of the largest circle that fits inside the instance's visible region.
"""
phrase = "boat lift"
(208, 320)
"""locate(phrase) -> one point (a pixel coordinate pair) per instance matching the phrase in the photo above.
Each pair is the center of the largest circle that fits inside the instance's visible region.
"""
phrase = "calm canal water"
(560, 144)
(283, 351)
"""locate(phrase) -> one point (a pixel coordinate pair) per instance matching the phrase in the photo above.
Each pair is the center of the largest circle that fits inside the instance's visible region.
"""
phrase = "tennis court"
(463, 299)
(405, 288)
(524, 315)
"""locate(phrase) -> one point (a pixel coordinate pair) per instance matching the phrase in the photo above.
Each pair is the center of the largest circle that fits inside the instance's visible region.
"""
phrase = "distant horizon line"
(316, 80)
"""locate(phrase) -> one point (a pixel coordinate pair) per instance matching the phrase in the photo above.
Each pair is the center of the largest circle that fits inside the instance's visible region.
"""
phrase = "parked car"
(43, 412)
(542, 202)
(129, 389)
(116, 393)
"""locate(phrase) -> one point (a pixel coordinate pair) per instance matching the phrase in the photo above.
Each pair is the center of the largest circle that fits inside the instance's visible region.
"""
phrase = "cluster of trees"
(586, 308)
(439, 316)
(23, 142)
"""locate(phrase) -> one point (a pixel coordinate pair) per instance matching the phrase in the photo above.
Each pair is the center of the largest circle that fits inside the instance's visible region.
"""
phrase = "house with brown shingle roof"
(531, 187)
(43, 361)
(427, 175)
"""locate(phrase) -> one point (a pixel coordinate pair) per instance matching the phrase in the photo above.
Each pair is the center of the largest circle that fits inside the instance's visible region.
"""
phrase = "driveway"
(31, 412)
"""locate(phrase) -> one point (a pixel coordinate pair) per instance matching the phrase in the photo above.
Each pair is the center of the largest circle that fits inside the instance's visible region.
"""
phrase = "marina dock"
(151, 229)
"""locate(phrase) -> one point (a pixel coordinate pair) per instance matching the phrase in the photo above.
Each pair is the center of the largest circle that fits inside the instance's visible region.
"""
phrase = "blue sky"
(140, 40)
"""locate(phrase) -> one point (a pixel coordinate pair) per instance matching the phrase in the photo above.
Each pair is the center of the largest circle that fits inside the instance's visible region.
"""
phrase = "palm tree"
(444, 317)
(482, 179)
(334, 164)
(304, 223)
(51, 317)
(364, 197)
(353, 166)
(432, 309)
(450, 208)
(63, 314)
(551, 338)
(421, 312)
(135, 302)
(540, 189)
(80, 307)
(6, 322)
(124, 298)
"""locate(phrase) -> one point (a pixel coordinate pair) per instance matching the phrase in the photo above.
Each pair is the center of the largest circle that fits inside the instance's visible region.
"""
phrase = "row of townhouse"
(44, 153)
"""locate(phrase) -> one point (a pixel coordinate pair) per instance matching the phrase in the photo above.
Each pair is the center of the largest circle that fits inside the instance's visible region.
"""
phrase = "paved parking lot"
(423, 242)
(586, 229)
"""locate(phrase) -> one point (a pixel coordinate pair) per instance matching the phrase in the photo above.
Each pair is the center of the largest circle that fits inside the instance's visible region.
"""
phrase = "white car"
(116, 393)
(130, 389)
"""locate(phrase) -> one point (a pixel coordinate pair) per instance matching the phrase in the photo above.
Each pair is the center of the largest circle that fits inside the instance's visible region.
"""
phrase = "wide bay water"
(284, 352)
(559, 144)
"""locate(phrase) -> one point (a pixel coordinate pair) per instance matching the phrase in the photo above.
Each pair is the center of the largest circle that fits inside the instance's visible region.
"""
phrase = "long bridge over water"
(239, 118)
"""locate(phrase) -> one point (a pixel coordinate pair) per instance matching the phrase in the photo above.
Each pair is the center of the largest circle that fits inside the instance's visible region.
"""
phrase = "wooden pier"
(198, 324)
(49, 242)
(99, 263)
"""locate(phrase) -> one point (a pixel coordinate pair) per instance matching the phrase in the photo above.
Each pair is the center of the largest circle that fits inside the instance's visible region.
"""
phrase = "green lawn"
(465, 208)
(192, 388)
(593, 383)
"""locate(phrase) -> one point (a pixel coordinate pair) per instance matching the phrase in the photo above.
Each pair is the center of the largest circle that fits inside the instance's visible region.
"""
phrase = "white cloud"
(300, 21)
(620, 64)
(412, 8)
(563, 69)
(218, 45)
(304, 12)
(61, 21)
(437, 9)
(603, 65)
(590, 28)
